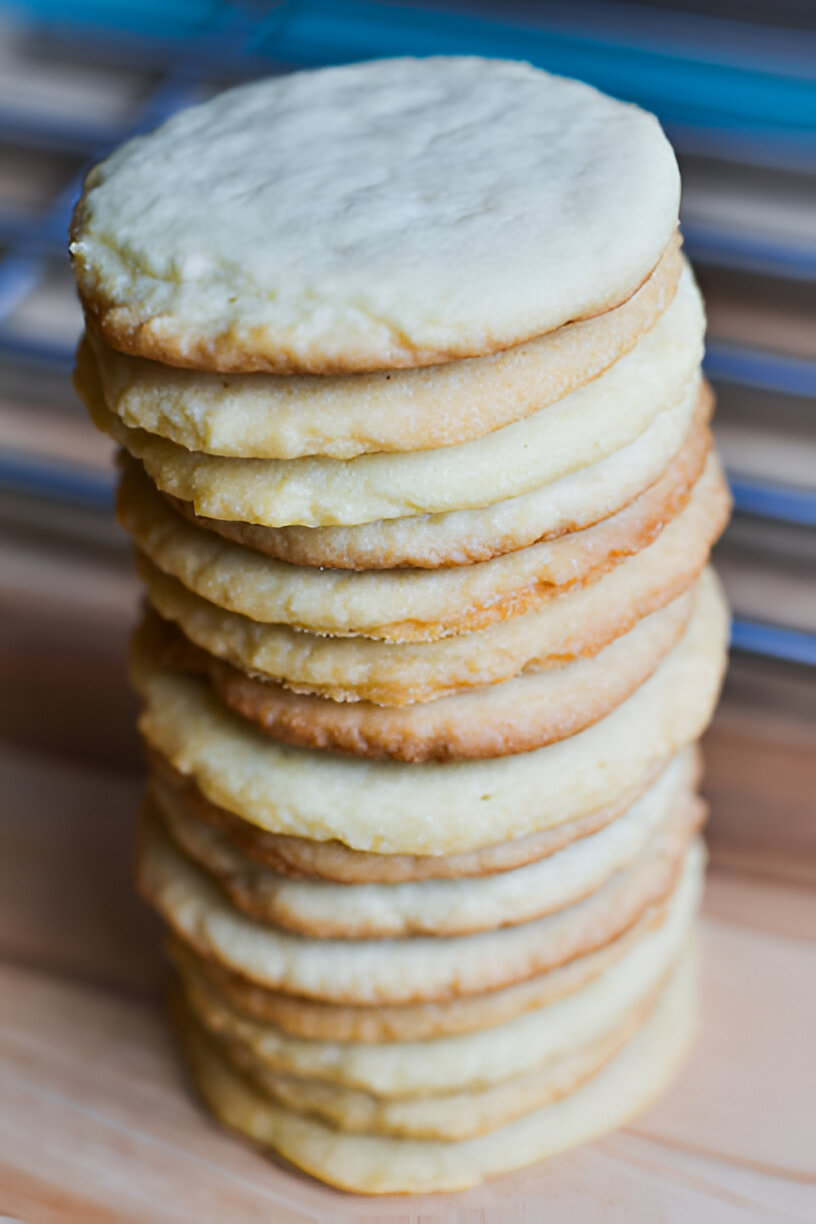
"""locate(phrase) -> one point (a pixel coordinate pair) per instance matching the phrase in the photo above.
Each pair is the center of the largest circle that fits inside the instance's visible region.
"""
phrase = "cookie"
(395, 808)
(436, 907)
(263, 416)
(517, 715)
(475, 1060)
(462, 537)
(368, 1164)
(451, 1116)
(414, 605)
(578, 623)
(407, 970)
(388, 214)
(302, 858)
(390, 1072)
(584, 427)
(343, 1022)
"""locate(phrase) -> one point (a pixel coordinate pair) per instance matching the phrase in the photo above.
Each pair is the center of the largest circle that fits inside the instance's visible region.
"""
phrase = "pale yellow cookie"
(400, 970)
(462, 537)
(301, 858)
(394, 213)
(367, 1164)
(517, 715)
(395, 808)
(576, 624)
(344, 1022)
(447, 1116)
(476, 1060)
(433, 907)
(611, 411)
(266, 416)
(414, 605)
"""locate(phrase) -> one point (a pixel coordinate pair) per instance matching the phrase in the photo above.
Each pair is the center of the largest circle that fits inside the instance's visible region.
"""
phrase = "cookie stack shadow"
(425, 657)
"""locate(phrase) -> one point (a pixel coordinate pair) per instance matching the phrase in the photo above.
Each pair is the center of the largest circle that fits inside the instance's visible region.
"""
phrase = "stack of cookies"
(404, 362)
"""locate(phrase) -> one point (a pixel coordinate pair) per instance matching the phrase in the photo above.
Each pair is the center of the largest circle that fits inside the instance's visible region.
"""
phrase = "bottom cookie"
(372, 1164)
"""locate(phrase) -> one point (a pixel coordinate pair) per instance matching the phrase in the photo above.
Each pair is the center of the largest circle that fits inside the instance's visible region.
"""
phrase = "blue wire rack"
(718, 92)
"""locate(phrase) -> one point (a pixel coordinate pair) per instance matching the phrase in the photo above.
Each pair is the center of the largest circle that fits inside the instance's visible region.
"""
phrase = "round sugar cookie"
(461, 537)
(517, 715)
(367, 1164)
(395, 808)
(302, 858)
(445, 1116)
(578, 623)
(411, 605)
(582, 428)
(474, 1060)
(316, 1020)
(263, 416)
(404, 970)
(393, 213)
(409, 970)
(434, 907)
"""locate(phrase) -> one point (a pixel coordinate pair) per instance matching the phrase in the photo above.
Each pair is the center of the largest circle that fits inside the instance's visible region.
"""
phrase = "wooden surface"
(97, 1123)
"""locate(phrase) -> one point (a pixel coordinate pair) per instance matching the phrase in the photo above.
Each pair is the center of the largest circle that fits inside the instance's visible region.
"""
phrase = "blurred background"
(95, 1122)
(734, 84)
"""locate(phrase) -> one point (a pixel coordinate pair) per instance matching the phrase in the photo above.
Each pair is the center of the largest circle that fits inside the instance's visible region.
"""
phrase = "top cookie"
(390, 214)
